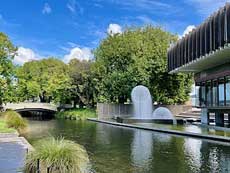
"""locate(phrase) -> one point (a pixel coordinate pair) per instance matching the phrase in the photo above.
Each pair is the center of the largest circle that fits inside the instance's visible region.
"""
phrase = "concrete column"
(229, 119)
(219, 118)
(204, 116)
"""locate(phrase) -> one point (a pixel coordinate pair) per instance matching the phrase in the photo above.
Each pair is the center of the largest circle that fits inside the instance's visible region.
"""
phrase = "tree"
(138, 56)
(47, 79)
(7, 53)
(82, 89)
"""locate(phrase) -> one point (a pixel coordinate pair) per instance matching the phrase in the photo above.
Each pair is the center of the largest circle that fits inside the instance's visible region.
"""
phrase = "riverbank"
(76, 114)
(4, 128)
(13, 148)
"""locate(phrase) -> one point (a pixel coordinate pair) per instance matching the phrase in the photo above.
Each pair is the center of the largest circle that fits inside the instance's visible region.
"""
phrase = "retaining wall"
(111, 110)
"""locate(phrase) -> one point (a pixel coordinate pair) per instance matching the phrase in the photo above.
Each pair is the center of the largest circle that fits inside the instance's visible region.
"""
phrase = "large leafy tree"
(138, 56)
(46, 79)
(82, 86)
(7, 53)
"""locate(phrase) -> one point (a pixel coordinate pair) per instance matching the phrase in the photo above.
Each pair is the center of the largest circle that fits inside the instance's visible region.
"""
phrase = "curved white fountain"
(163, 114)
(143, 111)
(142, 102)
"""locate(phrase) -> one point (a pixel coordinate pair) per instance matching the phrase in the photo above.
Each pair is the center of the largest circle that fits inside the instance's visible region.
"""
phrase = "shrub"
(14, 120)
(59, 155)
(78, 114)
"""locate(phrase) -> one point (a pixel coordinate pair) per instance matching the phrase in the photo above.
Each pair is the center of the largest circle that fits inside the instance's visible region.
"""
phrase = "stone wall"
(175, 109)
(111, 110)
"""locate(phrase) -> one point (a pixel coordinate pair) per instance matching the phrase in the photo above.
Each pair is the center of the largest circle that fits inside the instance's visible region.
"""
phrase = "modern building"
(205, 51)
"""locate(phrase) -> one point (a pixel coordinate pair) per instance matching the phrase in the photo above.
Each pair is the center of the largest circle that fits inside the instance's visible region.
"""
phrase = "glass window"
(221, 91)
(208, 93)
(202, 94)
(214, 93)
(228, 90)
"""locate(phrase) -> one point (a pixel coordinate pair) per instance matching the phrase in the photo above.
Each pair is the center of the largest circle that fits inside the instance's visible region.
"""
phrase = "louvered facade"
(206, 52)
(212, 36)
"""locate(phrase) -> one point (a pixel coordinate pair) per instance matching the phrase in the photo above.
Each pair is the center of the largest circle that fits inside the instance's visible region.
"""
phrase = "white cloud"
(145, 19)
(46, 9)
(188, 30)
(151, 5)
(84, 53)
(25, 55)
(114, 29)
(73, 7)
(207, 7)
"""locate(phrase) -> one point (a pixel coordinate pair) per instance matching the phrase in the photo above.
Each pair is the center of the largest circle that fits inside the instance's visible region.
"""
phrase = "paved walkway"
(13, 150)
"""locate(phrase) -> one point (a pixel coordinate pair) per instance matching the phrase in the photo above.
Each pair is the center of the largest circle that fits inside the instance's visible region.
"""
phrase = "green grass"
(14, 120)
(4, 128)
(59, 155)
(77, 114)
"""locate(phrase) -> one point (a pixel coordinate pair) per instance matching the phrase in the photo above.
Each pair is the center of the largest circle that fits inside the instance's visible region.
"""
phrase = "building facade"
(206, 52)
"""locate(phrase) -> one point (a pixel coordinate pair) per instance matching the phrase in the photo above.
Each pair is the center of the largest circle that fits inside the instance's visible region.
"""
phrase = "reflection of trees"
(112, 152)
(168, 155)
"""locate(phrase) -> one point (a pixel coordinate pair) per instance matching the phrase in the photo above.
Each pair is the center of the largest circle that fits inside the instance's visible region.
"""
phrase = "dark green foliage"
(138, 56)
(82, 83)
(77, 114)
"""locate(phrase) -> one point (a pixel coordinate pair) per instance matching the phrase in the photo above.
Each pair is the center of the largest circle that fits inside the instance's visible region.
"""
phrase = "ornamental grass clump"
(15, 120)
(59, 156)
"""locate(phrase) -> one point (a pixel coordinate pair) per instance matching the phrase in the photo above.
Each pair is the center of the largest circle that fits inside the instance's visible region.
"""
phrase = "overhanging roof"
(205, 47)
(213, 59)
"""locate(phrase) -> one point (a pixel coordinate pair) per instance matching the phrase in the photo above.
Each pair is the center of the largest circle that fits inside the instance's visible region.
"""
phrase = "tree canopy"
(82, 86)
(138, 57)
(122, 61)
(46, 79)
(7, 53)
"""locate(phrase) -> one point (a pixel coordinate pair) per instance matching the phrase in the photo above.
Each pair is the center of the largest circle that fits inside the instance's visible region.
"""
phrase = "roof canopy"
(205, 47)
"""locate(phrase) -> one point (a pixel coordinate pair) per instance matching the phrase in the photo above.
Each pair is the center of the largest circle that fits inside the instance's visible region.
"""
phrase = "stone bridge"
(28, 106)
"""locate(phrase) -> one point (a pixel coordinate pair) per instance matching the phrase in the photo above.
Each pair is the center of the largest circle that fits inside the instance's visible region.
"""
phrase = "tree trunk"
(121, 100)
(81, 104)
(74, 103)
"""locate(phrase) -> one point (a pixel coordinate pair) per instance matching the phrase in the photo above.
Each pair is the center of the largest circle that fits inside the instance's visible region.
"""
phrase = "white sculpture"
(142, 102)
(163, 114)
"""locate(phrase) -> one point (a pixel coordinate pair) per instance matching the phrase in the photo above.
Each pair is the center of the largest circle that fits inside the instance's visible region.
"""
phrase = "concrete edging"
(166, 131)
(14, 137)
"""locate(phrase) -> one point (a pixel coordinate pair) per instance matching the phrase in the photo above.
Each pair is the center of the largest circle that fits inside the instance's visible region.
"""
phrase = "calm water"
(121, 150)
(190, 128)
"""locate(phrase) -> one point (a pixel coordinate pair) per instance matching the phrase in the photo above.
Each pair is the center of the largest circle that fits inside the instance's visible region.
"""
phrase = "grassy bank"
(77, 114)
(11, 121)
(4, 128)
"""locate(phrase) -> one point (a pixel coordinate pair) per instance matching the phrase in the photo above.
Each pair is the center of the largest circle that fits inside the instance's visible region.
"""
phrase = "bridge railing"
(29, 105)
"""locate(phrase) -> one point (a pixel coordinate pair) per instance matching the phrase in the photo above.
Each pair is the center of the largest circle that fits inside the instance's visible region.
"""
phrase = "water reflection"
(116, 149)
(141, 148)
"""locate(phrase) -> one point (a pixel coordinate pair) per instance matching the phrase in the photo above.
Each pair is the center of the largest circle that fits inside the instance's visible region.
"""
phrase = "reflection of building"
(206, 52)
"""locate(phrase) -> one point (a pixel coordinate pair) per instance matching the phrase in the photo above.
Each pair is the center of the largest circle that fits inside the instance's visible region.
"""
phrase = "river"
(122, 150)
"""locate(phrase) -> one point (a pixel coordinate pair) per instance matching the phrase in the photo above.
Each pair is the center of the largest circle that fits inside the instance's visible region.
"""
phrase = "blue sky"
(71, 28)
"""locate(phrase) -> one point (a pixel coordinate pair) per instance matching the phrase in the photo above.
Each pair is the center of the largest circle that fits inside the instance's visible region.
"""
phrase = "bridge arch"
(35, 110)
